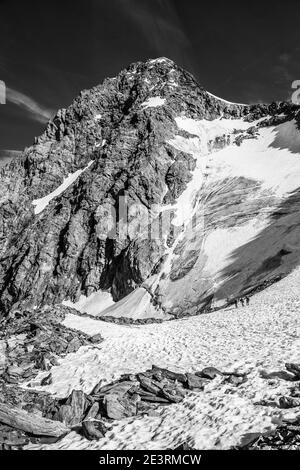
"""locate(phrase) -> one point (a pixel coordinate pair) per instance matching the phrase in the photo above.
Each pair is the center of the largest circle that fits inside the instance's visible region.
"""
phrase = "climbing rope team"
(243, 301)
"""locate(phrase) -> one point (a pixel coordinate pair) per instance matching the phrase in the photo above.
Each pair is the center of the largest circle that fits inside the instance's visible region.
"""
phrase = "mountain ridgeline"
(150, 146)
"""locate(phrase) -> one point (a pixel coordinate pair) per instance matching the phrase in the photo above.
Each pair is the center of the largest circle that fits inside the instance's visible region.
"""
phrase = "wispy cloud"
(161, 26)
(35, 110)
(159, 23)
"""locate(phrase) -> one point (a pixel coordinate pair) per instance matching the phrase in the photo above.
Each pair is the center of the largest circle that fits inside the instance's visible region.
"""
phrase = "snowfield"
(42, 203)
(226, 222)
(233, 193)
(258, 339)
(272, 159)
(93, 304)
(153, 102)
(237, 173)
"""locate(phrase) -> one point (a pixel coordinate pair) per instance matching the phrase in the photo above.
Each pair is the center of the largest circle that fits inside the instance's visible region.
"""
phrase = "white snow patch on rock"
(153, 102)
(211, 129)
(271, 159)
(225, 101)
(42, 203)
(205, 131)
(173, 83)
(159, 60)
(275, 147)
(100, 144)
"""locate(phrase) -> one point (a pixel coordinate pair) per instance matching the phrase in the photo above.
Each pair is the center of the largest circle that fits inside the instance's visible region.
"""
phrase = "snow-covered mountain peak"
(154, 192)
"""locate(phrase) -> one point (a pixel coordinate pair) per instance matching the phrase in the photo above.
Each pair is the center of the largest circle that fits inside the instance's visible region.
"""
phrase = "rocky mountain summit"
(154, 191)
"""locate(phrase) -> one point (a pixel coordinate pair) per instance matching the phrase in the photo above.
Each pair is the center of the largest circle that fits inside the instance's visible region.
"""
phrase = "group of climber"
(243, 301)
(157, 299)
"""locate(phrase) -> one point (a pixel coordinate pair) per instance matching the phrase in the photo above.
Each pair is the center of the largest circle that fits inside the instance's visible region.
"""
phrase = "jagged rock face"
(131, 148)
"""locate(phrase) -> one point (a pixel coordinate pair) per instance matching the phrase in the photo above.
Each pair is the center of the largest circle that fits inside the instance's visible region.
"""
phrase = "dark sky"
(244, 51)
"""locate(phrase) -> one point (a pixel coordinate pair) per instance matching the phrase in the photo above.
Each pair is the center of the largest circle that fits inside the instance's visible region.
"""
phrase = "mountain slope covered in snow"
(145, 203)
(257, 340)
(151, 198)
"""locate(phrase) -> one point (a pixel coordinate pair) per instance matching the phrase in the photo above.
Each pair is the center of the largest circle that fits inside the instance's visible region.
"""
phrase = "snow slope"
(136, 305)
(238, 241)
(42, 203)
(255, 339)
(93, 304)
(235, 242)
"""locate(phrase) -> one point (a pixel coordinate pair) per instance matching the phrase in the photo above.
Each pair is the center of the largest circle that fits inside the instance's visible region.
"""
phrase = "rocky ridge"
(33, 341)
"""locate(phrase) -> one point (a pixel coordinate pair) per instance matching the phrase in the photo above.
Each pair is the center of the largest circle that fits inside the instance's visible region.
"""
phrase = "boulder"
(165, 373)
(74, 345)
(93, 430)
(148, 384)
(117, 407)
(209, 373)
(78, 403)
(294, 369)
(93, 411)
(117, 388)
(195, 382)
(96, 339)
(31, 423)
(65, 415)
(12, 437)
(149, 397)
(235, 380)
(171, 395)
(289, 402)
